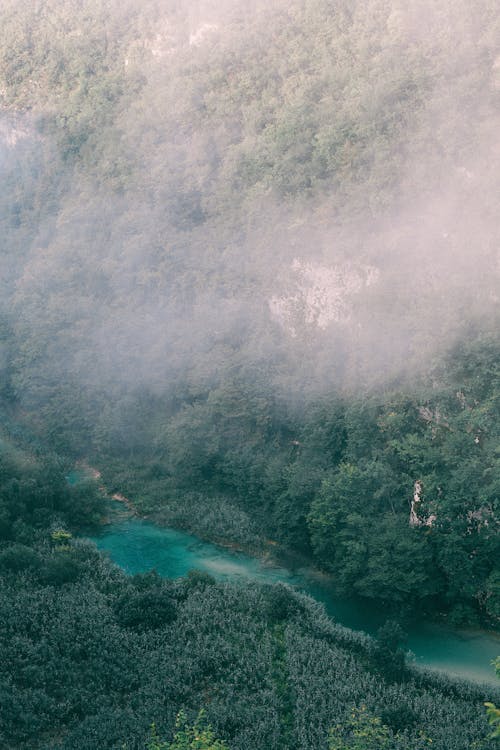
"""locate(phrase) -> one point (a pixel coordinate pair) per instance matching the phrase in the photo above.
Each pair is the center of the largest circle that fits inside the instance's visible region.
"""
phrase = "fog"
(262, 197)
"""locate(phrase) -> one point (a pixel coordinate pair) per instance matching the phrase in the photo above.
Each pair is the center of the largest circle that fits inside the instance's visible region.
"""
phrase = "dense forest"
(91, 657)
(249, 271)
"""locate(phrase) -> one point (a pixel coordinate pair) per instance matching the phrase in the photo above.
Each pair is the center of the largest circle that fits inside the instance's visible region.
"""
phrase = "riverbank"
(137, 545)
(298, 569)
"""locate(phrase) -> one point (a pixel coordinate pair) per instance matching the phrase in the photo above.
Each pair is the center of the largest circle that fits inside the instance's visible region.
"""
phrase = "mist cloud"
(206, 261)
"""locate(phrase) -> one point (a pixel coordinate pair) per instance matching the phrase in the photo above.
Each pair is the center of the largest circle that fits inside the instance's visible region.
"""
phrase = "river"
(137, 546)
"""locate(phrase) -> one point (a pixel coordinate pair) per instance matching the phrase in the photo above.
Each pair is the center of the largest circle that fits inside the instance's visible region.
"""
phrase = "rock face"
(320, 295)
(417, 497)
(415, 518)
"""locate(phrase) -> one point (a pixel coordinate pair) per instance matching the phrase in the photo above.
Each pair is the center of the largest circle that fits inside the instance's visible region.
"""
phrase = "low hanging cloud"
(220, 252)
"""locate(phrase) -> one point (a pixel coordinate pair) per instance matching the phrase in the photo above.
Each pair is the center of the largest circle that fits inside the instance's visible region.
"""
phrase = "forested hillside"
(250, 265)
(250, 271)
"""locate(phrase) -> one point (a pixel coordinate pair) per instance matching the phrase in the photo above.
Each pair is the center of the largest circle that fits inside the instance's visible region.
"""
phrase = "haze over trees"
(249, 270)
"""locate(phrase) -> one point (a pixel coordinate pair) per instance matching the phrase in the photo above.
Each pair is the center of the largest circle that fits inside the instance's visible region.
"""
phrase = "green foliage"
(17, 558)
(145, 609)
(387, 653)
(156, 185)
(362, 731)
(198, 736)
(150, 210)
(90, 654)
(493, 712)
(59, 569)
(87, 659)
(281, 604)
(35, 496)
(154, 742)
(492, 594)
(60, 536)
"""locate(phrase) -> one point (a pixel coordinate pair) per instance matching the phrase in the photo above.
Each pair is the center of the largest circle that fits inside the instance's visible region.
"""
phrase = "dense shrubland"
(91, 657)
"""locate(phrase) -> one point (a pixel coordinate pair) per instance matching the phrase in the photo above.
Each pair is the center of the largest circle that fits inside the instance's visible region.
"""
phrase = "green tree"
(363, 731)
(493, 712)
(494, 718)
(198, 736)
(387, 652)
(154, 742)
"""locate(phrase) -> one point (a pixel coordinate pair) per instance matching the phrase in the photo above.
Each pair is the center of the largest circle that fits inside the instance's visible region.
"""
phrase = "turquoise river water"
(137, 546)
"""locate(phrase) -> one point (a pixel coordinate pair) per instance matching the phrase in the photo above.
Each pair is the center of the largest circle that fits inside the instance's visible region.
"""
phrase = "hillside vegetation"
(249, 270)
(92, 657)
(251, 267)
